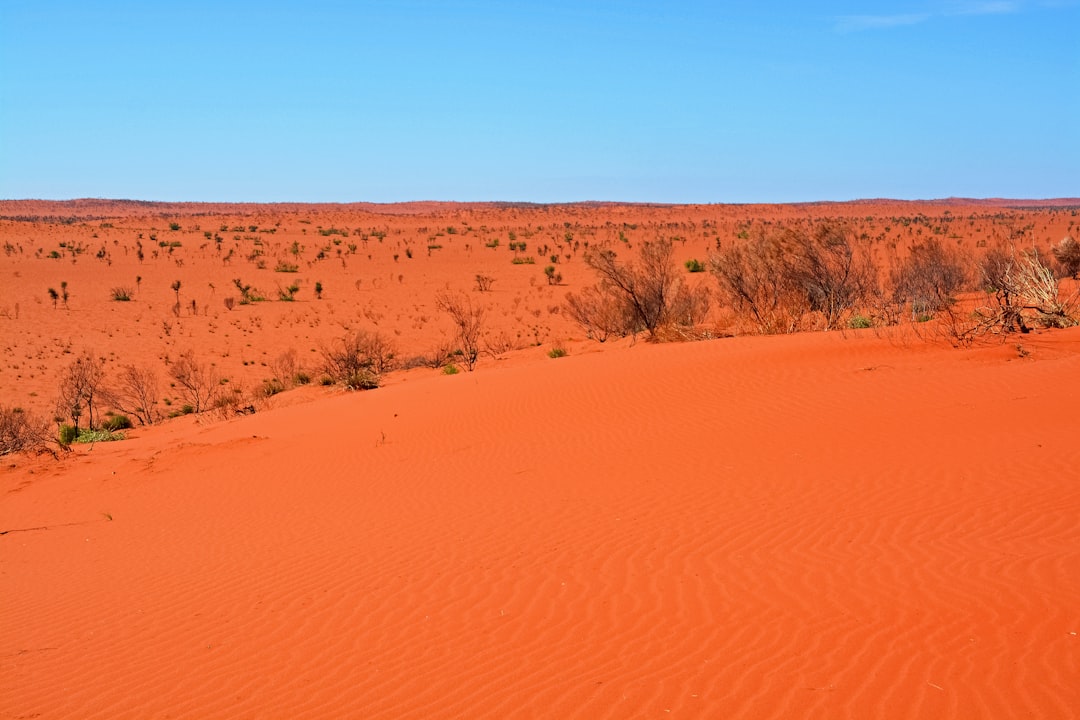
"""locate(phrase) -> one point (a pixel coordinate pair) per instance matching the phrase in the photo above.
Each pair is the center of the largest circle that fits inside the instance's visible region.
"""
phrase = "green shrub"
(450, 369)
(117, 422)
(860, 322)
(695, 266)
(557, 352)
(67, 435)
(121, 294)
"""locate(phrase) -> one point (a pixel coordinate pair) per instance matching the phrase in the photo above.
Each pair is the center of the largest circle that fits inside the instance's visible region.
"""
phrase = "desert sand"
(846, 524)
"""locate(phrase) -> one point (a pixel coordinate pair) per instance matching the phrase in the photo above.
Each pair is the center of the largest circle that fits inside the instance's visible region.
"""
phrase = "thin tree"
(80, 386)
(198, 381)
(135, 392)
(468, 321)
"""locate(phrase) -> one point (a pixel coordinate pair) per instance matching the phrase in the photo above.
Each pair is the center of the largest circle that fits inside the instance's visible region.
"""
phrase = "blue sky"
(681, 101)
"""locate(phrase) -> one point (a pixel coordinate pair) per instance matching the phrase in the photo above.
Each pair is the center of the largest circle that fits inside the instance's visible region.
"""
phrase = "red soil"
(821, 525)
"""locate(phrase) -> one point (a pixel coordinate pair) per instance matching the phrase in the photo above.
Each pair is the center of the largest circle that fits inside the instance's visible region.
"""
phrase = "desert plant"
(694, 265)
(198, 381)
(318, 290)
(860, 322)
(929, 278)
(1067, 253)
(553, 276)
(80, 387)
(288, 294)
(134, 391)
(54, 296)
(121, 294)
(557, 351)
(598, 314)
(778, 276)
(647, 295)
(484, 282)
(67, 435)
(113, 423)
(248, 294)
(358, 359)
(468, 320)
(21, 431)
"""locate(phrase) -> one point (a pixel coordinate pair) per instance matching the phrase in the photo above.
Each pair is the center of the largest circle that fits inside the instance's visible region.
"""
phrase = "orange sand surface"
(855, 524)
(800, 526)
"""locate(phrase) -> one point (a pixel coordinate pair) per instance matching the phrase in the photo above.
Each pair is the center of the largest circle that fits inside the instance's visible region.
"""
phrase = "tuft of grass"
(694, 265)
(557, 352)
(121, 294)
(450, 369)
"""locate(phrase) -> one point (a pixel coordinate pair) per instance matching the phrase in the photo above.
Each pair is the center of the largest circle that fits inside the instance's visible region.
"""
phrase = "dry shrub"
(928, 279)
(80, 387)
(468, 321)
(198, 381)
(1022, 291)
(286, 368)
(135, 392)
(599, 315)
(22, 432)
(777, 277)
(647, 295)
(358, 359)
(1067, 254)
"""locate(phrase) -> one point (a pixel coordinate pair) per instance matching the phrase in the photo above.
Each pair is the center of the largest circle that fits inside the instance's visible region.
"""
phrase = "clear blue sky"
(677, 101)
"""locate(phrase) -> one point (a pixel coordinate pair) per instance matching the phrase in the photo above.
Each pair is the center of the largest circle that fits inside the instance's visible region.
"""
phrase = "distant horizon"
(430, 201)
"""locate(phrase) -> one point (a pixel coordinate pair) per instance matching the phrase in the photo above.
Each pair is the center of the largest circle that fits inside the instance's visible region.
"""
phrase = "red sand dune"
(823, 525)
(805, 526)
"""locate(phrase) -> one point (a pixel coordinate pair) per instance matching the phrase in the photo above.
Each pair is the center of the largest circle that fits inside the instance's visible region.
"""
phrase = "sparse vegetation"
(121, 294)
(632, 297)
(198, 381)
(468, 320)
(22, 432)
(358, 360)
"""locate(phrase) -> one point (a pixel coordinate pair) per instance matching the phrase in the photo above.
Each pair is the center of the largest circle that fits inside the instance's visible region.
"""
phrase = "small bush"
(695, 266)
(363, 380)
(524, 260)
(860, 322)
(121, 294)
(67, 435)
(450, 369)
(557, 352)
(286, 267)
(271, 387)
(116, 422)
(21, 432)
